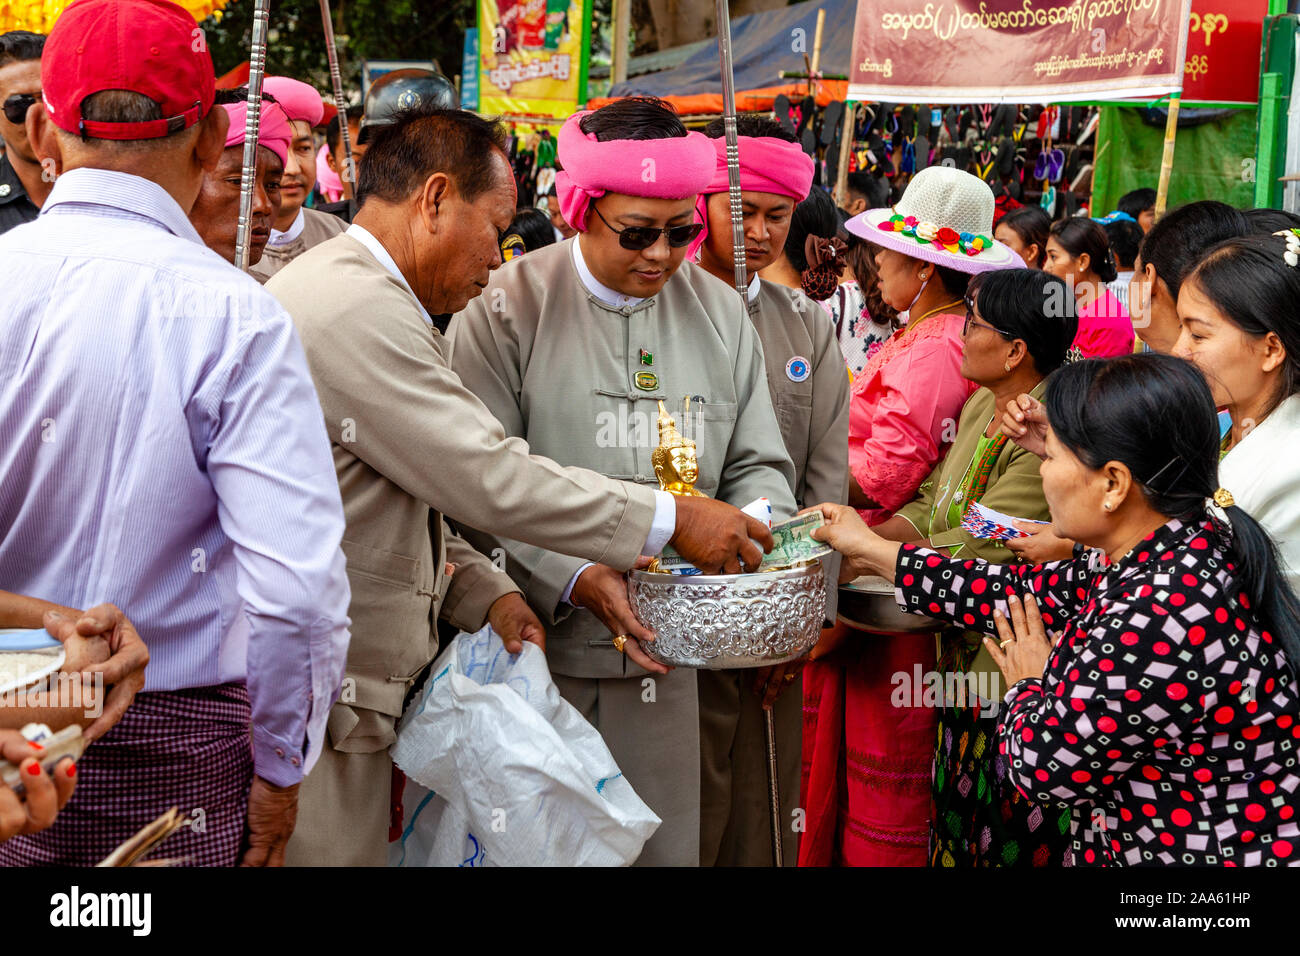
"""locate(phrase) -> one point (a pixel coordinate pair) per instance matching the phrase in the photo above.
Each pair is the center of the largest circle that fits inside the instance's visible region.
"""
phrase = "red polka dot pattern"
(1165, 717)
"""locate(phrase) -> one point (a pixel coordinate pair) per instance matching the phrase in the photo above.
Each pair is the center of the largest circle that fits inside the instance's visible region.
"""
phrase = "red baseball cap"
(149, 47)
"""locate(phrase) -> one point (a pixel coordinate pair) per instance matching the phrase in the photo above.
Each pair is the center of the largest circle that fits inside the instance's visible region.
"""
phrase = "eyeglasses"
(637, 238)
(16, 106)
(970, 320)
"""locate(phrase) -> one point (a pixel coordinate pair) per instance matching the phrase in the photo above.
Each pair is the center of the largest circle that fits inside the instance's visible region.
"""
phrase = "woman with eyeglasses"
(867, 786)
(1153, 679)
(1011, 342)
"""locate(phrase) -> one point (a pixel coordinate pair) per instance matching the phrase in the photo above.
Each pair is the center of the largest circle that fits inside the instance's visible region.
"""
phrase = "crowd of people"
(285, 479)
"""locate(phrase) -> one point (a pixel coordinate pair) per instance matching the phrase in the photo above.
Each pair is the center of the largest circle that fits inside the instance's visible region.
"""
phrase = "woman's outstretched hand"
(864, 551)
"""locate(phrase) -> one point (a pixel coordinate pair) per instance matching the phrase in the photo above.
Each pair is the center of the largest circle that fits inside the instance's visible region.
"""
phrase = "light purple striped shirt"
(162, 447)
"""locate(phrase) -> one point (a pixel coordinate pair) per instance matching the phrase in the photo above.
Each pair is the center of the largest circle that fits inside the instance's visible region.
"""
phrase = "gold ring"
(790, 677)
(1009, 640)
(619, 641)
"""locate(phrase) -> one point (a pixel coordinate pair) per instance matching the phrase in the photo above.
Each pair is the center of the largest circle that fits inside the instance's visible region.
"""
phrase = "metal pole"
(252, 126)
(773, 787)
(742, 286)
(341, 104)
(733, 149)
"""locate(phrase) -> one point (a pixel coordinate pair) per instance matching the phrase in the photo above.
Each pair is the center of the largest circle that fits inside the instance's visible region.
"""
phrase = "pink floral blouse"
(904, 410)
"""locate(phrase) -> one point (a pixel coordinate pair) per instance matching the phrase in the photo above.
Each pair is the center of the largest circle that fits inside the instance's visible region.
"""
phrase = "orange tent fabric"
(750, 101)
(235, 78)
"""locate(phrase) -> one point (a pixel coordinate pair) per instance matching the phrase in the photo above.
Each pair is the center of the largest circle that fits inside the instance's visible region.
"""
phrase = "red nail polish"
(34, 769)
(72, 770)
(34, 745)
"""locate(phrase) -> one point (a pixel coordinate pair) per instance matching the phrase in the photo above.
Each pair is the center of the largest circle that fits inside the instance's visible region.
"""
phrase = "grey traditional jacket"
(809, 383)
(579, 379)
(317, 227)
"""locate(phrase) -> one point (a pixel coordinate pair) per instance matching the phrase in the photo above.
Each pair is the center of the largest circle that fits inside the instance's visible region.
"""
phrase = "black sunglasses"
(970, 320)
(16, 106)
(637, 238)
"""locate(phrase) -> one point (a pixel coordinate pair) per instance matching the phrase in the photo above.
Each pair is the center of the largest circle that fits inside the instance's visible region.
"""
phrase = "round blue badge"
(798, 369)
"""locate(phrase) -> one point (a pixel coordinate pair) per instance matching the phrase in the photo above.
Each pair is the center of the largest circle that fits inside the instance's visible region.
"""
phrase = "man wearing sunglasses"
(22, 190)
(412, 444)
(571, 347)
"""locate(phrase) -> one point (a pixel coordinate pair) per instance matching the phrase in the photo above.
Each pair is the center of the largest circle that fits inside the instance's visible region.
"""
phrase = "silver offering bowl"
(868, 604)
(721, 621)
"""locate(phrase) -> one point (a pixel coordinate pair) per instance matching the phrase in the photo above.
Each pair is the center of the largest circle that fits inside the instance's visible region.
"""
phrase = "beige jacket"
(410, 442)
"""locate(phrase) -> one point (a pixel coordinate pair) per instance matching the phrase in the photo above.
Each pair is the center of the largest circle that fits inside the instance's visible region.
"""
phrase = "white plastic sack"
(502, 771)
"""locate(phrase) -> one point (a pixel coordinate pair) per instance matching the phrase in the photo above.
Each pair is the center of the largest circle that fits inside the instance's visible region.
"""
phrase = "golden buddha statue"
(675, 461)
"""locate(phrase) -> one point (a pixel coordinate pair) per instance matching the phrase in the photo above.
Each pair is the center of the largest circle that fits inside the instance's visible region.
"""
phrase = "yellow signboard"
(533, 56)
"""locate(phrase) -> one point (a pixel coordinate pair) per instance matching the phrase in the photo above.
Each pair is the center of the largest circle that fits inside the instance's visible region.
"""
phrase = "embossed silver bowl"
(721, 621)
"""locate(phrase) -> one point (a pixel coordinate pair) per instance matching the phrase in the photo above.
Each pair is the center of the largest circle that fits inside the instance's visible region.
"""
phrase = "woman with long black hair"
(1163, 707)
(1012, 341)
(1240, 319)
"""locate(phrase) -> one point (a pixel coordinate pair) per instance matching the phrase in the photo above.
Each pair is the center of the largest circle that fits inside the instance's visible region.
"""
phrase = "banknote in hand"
(794, 542)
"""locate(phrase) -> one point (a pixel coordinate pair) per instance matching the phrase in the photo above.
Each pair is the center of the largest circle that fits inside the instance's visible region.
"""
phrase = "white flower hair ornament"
(1292, 254)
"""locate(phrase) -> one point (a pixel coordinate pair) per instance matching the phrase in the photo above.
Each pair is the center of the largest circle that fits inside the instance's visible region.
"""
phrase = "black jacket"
(15, 206)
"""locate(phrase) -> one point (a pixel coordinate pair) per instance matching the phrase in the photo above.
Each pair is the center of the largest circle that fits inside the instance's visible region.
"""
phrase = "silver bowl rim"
(755, 577)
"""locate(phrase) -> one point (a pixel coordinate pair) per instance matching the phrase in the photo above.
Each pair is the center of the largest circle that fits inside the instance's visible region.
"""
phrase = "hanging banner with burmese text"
(533, 56)
(1223, 51)
(1017, 51)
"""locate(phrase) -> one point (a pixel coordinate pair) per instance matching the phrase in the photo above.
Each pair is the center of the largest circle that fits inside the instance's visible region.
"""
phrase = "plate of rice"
(27, 657)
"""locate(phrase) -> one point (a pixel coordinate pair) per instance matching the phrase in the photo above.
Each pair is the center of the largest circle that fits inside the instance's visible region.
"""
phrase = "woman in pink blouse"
(1078, 251)
(867, 763)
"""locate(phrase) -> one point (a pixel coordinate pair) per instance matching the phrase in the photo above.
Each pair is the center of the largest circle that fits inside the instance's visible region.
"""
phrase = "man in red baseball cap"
(116, 55)
(184, 466)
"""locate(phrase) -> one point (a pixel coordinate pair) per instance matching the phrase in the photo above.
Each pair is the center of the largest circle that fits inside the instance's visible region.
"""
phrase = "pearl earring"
(1006, 366)
(1107, 506)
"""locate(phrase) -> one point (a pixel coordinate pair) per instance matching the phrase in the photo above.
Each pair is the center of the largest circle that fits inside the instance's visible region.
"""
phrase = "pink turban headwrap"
(767, 165)
(298, 100)
(275, 132)
(672, 168)
(328, 181)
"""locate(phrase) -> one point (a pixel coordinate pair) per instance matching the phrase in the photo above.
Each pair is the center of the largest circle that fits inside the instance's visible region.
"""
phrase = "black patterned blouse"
(1166, 716)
